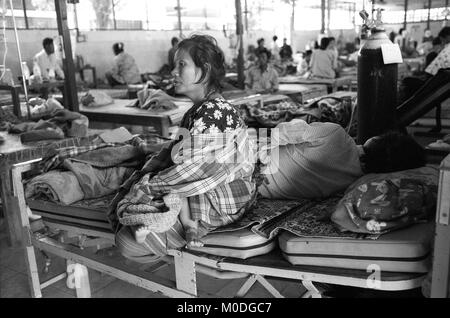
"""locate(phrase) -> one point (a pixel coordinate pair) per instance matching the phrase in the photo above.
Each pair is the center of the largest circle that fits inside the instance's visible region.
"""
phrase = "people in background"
(437, 46)
(45, 64)
(125, 71)
(333, 47)
(171, 54)
(412, 84)
(352, 58)
(262, 78)
(400, 38)
(323, 61)
(427, 36)
(275, 49)
(410, 49)
(392, 36)
(261, 46)
(250, 58)
(305, 68)
(442, 60)
(286, 51)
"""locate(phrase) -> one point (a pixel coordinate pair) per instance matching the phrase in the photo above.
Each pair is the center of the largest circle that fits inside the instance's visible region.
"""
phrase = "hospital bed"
(332, 84)
(396, 261)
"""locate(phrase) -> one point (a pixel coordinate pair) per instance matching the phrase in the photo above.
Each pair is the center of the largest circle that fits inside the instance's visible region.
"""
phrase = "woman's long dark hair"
(207, 56)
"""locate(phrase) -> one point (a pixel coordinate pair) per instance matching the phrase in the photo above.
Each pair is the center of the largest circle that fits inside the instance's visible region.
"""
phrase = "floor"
(14, 280)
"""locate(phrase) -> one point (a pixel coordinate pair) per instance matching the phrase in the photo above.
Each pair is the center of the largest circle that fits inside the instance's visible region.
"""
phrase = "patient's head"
(390, 152)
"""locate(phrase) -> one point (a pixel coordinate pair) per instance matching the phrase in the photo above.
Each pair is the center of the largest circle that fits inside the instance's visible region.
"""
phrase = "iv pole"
(25, 89)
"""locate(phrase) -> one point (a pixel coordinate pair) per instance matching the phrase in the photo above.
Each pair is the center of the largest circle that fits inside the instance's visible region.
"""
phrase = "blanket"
(303, 217)
(212, 170)
(80, 181)
(60, 124)
(77, 173)
(156, 100)
(336, 110)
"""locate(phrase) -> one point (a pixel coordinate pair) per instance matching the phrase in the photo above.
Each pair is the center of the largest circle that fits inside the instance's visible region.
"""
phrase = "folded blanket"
(156, 100)
(55, 186)
(60, 124)
(82, 181)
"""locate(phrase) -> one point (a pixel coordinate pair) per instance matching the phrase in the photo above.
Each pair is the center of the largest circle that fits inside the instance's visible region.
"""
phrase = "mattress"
(240, 244)
(88, 213)
(407, 250)
(92, 214)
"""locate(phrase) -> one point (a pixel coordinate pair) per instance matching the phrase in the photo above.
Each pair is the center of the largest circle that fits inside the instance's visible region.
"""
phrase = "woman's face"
(186, 75)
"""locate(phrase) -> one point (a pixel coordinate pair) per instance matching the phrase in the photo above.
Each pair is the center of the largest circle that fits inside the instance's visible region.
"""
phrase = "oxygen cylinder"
(377, 88)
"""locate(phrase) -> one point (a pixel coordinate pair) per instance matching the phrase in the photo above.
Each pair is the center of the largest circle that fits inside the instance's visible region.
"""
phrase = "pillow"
(379, 203)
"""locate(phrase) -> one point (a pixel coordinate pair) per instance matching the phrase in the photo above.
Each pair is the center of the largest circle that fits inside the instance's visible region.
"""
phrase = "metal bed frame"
(187, 263)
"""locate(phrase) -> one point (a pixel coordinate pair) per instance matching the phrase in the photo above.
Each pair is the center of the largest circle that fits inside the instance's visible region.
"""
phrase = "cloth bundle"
(82, 181)
(96, 99)
(76, 173)
(62, 123)
(272, 114)
(336, 110)
(206, 166)
(379, 203)
(155, 100)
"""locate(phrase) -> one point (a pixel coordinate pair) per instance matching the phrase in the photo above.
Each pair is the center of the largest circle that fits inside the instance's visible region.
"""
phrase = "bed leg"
(26, 234)
(185, 274)
(312, 292)
(246, 287)
(33, 273)
(78, 279)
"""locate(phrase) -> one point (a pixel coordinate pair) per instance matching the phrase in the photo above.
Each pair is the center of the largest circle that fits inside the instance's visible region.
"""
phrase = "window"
(18, 14)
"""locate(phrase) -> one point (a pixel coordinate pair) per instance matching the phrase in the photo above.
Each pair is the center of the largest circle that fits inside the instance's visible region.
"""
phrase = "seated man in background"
(124, 71)
(45, 65)
(324, 61)
(262, 78)
(286, 51)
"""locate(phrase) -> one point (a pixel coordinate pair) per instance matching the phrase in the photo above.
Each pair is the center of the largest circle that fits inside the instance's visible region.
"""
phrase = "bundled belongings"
(380, 203)
(158, 100)
(62, 123)
(96, 98)
(336, 110)
(155, 100)
(41, 107)
(77, 173)
(271, 114)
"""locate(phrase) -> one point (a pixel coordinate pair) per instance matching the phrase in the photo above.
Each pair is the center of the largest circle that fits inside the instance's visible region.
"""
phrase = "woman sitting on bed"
(206, 187)
(323, 61)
